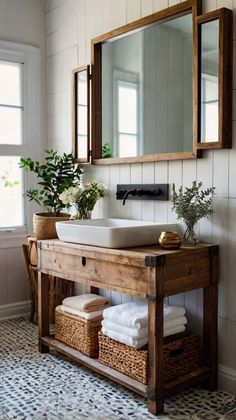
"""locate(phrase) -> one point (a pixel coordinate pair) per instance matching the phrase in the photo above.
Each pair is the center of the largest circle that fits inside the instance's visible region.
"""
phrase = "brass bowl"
(170, 240)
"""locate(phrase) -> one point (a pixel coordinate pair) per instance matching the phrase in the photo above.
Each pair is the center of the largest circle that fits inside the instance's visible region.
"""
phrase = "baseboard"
(14, 310)
(227, 378)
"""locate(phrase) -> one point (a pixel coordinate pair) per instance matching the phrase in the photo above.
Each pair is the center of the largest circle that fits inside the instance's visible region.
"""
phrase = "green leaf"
(56, 174)
(192, 204)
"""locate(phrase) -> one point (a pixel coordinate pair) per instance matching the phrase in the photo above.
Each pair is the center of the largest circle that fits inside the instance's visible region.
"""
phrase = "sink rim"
(91, 223)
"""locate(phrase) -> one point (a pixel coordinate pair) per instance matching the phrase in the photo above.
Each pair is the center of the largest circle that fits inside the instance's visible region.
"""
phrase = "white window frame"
(31, 145)
(132, 78)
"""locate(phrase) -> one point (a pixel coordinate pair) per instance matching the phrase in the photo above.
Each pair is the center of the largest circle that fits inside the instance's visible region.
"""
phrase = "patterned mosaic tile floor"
(39, 387)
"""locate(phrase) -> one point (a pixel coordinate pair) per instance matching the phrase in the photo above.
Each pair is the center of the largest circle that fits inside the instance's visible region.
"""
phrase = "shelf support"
(210, 317)
(43, 309)
(155, 296)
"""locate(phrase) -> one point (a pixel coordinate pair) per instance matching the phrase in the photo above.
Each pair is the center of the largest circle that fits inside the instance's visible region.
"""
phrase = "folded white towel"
(181, 320)
(173, 312)
(174, 330)
(130, 314)
(135, 314)
(129, 341)
(121, 329)
(142, 332)
(81, 314)
(140, 342)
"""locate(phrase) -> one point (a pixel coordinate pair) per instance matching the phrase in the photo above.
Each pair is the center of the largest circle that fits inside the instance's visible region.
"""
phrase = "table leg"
(210, 317)
(43, 310)
(155, 350)
(210, 353)
(155, 342)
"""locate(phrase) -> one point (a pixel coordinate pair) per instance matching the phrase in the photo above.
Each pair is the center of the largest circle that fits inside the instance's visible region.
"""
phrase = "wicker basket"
(44, 224)
(181, 356)
(77, 332)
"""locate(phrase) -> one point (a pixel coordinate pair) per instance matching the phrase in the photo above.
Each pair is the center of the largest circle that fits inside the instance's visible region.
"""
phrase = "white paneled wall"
(70, 25)
(13, 284)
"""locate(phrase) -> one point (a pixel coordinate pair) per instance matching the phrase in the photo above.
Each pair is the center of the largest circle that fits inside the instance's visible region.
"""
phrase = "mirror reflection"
(209, 81)
(82, 114)
(147, 90)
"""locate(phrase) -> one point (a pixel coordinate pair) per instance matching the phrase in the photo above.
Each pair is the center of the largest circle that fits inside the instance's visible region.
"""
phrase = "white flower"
(77, 193)
(101, 186)
(86, 194)
(65, 197)
(69, 196)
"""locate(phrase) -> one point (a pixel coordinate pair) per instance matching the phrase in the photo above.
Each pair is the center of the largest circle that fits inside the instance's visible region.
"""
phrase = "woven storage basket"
(77, 332)
(181, 356)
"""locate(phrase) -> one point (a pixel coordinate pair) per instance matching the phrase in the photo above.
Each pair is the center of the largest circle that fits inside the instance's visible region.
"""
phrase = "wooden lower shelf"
(95, 365)
(197, 376)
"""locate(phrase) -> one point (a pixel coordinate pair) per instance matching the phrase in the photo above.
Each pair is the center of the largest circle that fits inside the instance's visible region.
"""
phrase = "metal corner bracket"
(155, 261)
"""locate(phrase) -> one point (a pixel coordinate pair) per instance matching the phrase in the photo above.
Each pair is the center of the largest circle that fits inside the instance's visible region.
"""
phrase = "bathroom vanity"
(148, 272)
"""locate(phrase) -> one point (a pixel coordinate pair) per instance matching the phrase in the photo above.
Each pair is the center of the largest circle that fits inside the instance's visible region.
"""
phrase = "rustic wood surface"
(155, 340)
(149, 272)
(210, 317)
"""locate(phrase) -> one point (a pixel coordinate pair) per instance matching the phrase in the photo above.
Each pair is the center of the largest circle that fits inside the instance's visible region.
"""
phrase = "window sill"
(12, 240)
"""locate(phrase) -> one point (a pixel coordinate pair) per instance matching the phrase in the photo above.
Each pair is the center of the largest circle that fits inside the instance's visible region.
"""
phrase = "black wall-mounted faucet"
(142, 192)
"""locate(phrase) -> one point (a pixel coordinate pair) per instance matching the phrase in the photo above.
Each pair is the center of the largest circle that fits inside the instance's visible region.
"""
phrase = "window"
(11, 130)
(209, 108)
(11, 102)
(19, 93)
(126, 103)
(82, 112)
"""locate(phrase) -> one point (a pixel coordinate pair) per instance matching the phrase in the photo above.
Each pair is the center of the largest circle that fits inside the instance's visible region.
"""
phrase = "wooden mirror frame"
(192, 6)
(74, 87)
(225, 79)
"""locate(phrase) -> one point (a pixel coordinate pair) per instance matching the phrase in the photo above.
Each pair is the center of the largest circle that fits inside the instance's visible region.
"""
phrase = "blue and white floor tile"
(49, 387)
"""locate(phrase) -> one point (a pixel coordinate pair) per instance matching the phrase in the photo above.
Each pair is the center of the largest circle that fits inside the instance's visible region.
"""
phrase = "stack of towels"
(128, 322)
(88, 306)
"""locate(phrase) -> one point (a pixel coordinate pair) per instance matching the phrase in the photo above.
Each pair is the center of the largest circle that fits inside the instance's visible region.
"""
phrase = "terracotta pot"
(44, 224)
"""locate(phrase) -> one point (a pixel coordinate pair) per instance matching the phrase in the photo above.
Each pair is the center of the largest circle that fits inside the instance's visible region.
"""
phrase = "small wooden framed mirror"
(81, 114)
(214, 81)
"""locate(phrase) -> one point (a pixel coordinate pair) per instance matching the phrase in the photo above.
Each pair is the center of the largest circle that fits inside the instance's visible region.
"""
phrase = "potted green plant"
(59, 172)
(191, 205)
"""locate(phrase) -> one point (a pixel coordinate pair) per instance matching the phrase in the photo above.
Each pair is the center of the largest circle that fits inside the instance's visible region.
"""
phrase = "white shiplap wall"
(70, 26)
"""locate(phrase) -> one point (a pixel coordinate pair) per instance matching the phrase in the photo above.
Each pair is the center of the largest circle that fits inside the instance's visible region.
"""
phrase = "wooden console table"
(147, 272)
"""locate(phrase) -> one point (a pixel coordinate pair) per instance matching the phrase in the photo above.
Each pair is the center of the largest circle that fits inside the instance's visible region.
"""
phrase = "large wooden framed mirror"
(142, 88)
(214, 82)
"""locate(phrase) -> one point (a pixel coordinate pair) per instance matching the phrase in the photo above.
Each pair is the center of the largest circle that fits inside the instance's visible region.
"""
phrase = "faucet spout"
(129, 192)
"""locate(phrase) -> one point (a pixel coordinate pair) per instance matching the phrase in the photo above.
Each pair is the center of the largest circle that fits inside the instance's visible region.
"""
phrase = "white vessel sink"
(112, 233)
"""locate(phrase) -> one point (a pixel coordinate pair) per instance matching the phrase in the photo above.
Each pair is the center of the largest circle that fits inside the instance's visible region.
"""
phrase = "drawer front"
(96, 272)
